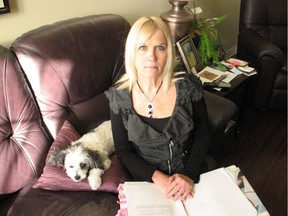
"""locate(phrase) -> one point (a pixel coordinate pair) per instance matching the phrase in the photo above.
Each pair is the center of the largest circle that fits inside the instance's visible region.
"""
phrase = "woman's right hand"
(161, 180)
(175, 187)
(180, 187)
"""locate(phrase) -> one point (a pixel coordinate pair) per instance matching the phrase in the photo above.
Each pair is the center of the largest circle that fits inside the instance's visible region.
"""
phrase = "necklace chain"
(150, 105)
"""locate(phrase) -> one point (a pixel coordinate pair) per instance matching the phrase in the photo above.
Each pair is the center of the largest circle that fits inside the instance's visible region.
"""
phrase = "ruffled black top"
(179, 148)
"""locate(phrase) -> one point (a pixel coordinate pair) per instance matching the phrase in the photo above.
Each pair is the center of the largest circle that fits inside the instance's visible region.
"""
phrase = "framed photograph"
(189, 54)
(4, 6)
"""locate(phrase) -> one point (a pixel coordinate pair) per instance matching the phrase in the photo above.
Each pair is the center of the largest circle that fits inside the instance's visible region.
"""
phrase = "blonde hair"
(141, 31)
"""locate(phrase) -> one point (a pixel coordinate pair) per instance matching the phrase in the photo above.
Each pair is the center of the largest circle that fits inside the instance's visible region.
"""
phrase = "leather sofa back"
(266, 17)
(23, 140)
(64, 63)
(51, 74)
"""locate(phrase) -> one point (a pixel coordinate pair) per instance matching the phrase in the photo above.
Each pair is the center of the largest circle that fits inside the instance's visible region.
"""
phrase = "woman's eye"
(161, 47)
(142, 47)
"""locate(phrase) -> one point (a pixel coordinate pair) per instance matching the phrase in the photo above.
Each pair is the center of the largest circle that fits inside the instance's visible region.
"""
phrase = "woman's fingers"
(180, 187)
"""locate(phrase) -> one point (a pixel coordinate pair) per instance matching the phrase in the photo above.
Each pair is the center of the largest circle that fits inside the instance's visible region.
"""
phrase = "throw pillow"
(55, 178)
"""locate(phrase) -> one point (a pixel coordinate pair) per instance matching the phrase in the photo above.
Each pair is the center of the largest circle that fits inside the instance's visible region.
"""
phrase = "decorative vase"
(178, 19)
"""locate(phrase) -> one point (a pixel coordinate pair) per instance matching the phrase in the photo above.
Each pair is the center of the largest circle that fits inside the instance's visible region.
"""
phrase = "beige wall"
(29, 14)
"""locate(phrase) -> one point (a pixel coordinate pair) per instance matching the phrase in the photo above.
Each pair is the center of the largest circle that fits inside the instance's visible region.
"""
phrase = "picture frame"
(4, 6)
(189, 54)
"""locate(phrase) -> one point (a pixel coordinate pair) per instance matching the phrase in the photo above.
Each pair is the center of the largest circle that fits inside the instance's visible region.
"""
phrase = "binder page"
(145, 199)
(217, 195)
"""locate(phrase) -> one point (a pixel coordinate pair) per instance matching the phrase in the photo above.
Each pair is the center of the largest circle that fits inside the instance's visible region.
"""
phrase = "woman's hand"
(180, 187)
(161, 180)
(176, 187)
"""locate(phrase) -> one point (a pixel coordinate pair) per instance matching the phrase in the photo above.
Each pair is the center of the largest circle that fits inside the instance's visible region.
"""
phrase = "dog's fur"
(87, 156)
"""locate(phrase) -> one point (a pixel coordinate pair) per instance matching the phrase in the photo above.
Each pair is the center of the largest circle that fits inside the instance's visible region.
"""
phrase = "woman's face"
(151, 56)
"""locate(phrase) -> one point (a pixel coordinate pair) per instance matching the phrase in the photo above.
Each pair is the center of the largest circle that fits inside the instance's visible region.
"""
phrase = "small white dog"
(87, 156)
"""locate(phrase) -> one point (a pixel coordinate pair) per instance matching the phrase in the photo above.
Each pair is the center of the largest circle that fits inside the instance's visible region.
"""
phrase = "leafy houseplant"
(209, 43)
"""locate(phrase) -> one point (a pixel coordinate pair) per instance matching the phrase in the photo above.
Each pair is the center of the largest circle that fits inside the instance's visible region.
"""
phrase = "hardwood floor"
(260, 151)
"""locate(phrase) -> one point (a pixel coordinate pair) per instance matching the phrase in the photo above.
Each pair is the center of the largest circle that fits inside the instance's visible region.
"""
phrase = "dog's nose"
(77, 177)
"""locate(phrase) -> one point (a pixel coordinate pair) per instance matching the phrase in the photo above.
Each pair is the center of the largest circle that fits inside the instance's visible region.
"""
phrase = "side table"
(239, 94)
(237, 83)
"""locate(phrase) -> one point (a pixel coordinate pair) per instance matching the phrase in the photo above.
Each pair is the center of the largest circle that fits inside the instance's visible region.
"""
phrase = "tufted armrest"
(259, 47)
(266, 57)
(220, 112)
(23, 141)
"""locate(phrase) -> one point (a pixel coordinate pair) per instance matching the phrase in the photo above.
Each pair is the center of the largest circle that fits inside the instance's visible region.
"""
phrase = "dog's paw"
(94, 178)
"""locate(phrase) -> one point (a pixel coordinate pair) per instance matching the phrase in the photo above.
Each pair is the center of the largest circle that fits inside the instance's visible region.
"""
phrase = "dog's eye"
(71, 166)
(83, 165)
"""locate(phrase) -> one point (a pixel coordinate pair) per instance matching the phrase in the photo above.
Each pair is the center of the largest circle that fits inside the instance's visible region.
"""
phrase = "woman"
(159, 118)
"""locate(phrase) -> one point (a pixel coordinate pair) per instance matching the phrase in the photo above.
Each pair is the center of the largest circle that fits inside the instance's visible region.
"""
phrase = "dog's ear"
(57, 157)
(95, 160)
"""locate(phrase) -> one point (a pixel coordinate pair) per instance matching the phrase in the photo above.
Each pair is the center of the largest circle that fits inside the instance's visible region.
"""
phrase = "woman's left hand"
(180, 187)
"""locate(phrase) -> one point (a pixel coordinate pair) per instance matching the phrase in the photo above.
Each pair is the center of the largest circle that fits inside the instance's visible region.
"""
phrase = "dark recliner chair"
(262, 41)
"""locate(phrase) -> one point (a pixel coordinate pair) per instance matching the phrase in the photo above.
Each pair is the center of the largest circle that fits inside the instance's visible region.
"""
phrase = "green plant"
(209, 44)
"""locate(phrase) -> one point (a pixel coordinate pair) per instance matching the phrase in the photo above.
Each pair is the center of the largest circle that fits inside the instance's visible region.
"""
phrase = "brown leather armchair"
(262, 41)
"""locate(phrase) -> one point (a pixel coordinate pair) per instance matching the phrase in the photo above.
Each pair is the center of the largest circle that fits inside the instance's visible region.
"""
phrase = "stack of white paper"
(215, 195)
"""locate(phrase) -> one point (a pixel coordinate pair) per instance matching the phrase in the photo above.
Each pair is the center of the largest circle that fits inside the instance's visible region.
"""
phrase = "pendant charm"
(149, 105)
(149, 109)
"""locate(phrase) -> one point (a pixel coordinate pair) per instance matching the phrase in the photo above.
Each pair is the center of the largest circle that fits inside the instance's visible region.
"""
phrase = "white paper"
(145, 199)
(229, 76)
(217, 195)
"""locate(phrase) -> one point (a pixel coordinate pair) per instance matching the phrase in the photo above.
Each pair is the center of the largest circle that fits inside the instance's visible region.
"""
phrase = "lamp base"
(177, 19)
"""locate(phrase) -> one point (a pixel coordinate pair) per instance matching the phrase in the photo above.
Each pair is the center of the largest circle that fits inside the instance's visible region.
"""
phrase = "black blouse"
(141, 142)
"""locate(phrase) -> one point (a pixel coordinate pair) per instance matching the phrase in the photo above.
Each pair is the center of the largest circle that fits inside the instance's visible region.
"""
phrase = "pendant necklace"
(150, 105)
